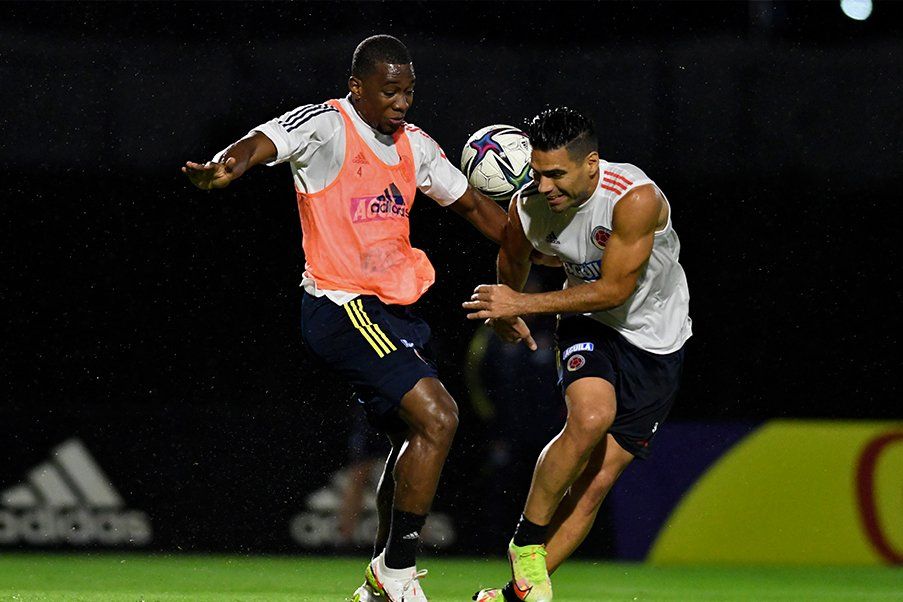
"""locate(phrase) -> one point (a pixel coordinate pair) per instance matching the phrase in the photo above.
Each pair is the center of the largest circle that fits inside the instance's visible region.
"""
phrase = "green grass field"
(133, 577)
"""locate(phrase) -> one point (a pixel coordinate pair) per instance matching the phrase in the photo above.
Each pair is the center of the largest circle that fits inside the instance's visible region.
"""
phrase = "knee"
(443, 423)
(587, 429)
(438, 420)
(430, 413)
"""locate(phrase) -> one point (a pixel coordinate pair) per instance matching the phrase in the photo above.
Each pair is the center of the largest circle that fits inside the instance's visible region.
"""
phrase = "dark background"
(150, 318)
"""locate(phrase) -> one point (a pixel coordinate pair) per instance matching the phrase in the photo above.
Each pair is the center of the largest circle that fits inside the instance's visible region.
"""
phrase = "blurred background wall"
(156, 326)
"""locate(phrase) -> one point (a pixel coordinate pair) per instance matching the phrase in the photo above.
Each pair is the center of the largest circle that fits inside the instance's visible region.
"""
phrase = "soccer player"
(357, 165)
(623, 322)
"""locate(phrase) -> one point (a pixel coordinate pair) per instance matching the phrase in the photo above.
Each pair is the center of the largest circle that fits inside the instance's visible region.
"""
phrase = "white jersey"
(656, 316)
(312, 139)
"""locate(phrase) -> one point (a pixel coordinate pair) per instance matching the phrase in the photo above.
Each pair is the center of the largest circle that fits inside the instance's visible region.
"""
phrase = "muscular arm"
(482, 212)
(635, 219)
(514, 255)
(251, 150)
(513, 267)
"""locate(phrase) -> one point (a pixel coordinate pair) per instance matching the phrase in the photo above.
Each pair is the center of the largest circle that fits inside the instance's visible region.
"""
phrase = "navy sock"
(529, 534)
(404, 539)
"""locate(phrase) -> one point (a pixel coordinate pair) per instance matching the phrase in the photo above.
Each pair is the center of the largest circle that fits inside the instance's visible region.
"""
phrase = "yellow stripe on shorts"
(362, 330)
(374, 335)
(379, 334)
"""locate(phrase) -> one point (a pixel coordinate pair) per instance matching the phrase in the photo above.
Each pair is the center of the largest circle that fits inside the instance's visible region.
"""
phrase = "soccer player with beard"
(623, 322)
(357, 165)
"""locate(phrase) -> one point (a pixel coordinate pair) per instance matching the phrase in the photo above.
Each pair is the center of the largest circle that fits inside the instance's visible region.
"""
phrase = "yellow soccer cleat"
(529, 576)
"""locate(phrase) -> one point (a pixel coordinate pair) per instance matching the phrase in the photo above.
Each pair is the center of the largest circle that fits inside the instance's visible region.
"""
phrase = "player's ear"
(592, 160)
(354, 86)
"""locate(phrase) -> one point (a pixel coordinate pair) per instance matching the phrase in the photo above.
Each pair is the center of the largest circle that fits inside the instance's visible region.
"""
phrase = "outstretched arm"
(481, 211)
(251, 150)
(634, 222)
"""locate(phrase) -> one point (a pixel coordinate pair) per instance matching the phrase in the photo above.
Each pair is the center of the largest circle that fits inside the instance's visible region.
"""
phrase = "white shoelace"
(412, 582)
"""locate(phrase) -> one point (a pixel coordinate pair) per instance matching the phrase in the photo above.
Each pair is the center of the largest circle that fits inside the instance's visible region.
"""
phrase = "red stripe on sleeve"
(618, 176)
(614, 182)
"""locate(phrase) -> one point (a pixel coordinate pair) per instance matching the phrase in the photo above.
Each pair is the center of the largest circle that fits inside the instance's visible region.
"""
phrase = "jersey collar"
(361, 124)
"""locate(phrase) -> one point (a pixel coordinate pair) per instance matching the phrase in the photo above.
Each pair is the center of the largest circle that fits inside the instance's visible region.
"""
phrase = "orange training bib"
(357, 230)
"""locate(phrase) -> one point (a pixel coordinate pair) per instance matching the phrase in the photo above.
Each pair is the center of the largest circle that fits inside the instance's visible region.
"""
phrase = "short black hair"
(563, 127)
(375, 50)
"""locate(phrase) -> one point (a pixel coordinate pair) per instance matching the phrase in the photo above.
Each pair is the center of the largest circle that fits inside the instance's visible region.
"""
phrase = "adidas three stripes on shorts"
(381, 350)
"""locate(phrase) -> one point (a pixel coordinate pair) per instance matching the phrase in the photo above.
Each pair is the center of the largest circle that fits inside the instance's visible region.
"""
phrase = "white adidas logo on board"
(69, 500)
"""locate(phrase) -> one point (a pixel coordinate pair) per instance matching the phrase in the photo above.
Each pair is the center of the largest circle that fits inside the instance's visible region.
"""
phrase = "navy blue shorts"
(645, 383)
(379, 349)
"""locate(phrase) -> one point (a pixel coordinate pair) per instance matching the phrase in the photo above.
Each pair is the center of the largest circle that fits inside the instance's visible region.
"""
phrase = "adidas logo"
(414, 535)
(389, 204)
(315, 527)
(360, 159)
(391, 193)
(552, 239)
(69, 500)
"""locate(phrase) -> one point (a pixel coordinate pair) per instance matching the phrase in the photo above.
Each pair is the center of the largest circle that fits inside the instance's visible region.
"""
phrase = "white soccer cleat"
(364, 593)
(397, 585)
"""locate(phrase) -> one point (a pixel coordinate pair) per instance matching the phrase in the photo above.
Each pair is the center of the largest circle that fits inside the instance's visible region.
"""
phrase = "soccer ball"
(496, 161)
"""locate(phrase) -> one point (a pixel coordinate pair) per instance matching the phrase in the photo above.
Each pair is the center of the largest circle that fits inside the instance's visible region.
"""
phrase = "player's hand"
(513, 330)
(493, 301)
(210, 175)
(539, 258)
